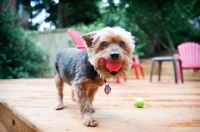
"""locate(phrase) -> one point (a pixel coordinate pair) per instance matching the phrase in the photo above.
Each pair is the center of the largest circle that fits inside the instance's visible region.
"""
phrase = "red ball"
(113, 65)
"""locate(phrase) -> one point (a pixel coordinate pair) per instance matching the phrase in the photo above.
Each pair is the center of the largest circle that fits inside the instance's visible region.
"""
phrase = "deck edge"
(12, 122)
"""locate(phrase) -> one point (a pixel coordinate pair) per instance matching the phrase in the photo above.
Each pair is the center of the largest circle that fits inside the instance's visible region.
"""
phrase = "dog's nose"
(114, 55)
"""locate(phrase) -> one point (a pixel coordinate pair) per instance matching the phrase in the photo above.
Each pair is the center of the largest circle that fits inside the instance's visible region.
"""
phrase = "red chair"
(76, 37)
(136, 64)
(189, 53)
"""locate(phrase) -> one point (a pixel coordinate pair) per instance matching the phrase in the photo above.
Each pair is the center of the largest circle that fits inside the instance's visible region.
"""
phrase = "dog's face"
(110, 46)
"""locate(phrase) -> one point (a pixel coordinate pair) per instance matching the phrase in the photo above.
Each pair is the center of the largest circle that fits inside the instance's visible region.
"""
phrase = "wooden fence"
(53, 41)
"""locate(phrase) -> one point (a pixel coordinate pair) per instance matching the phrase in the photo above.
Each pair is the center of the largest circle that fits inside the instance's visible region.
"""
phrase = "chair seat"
(191, 66)
(163, 58)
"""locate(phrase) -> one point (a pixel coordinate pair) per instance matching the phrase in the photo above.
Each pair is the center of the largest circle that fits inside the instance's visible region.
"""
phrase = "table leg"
(151, 70)
(180, 65)
(159, 69)
(175, 71)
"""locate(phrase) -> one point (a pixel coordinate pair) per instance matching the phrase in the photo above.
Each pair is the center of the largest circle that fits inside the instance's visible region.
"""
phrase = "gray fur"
(72, 64)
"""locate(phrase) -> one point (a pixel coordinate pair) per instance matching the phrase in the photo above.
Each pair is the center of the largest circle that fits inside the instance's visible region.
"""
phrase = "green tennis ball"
(139, 102)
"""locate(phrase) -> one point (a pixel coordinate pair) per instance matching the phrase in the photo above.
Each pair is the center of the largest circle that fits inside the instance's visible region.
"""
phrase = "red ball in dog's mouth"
(112, 66)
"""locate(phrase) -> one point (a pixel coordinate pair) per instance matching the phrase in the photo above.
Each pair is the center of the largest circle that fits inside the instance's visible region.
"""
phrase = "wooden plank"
(12, 123)
(168, 106)
(6, 117)
(21, 125)
(2, 128)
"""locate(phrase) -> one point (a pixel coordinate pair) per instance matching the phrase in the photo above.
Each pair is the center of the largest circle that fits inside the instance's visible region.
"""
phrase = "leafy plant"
(139, 49)
(19, 56)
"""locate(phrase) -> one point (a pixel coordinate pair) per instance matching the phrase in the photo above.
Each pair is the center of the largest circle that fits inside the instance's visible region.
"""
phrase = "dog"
(108, 55)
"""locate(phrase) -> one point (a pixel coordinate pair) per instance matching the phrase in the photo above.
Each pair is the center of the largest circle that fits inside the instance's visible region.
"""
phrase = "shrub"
(20, 57)
(139, 48)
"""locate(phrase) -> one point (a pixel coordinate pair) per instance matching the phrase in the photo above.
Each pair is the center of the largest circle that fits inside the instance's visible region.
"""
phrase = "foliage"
(156, 24)
(19, 56)
(162, 25)
(83, 29)
(89, 28)
(65, 13)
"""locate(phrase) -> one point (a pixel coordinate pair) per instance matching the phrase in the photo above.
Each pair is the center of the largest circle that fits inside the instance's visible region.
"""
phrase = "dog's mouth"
(113, 72)
(112, 66)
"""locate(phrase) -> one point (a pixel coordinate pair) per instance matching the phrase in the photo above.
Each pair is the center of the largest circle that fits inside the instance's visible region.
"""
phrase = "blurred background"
(33, 31)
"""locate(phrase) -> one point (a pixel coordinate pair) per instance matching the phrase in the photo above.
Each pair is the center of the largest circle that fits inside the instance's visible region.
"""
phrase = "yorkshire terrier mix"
(108, 55)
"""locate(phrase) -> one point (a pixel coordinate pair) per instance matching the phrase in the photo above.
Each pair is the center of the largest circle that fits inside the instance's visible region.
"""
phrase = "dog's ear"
(89, 38)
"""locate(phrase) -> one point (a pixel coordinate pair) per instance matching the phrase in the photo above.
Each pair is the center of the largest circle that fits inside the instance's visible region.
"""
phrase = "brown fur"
(112, 37)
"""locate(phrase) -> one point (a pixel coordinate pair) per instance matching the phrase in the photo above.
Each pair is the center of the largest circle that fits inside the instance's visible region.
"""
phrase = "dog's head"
(110, 51)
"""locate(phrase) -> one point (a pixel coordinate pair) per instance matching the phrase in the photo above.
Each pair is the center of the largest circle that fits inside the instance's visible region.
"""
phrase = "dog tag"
(107, 89)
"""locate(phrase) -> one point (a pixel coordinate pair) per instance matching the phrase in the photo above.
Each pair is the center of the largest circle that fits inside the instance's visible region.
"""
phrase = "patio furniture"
(189, 54)
(76, 37)
(136, 64)
(167, 58)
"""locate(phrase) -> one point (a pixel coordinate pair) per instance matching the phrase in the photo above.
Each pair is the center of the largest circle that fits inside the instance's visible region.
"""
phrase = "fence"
(53, 41)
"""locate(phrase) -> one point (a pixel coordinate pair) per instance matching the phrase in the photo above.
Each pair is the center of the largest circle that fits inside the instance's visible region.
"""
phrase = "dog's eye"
(104, 45)
(121, 44)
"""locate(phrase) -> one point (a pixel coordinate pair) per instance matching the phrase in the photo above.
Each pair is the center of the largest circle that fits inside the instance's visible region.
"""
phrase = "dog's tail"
(56, 70)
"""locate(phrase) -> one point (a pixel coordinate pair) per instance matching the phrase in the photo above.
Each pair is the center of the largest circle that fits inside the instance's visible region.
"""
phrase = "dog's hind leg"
(73, 96)
(59, 85)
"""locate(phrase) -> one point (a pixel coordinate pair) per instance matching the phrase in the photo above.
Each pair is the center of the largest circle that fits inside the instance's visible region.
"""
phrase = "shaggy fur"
(82, 70)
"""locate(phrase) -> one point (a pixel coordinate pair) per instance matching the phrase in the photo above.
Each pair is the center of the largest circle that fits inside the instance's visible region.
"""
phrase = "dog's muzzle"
(114, 54)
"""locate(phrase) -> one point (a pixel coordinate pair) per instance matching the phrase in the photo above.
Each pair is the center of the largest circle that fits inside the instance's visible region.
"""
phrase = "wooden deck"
(26, 105)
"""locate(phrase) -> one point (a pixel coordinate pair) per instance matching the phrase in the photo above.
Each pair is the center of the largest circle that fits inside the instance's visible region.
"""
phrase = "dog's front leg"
(85, 108)
(91, 94)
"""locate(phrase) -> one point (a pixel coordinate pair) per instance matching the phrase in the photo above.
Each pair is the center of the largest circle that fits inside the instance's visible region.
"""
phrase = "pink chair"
(189, 54)
(76, 37)
(136, 64)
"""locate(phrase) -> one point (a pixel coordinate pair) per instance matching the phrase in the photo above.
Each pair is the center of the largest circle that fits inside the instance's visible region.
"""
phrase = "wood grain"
(168, 106)
(2, 128)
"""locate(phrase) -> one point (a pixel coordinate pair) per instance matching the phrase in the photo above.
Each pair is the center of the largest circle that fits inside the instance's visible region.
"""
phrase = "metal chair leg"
(151, 70)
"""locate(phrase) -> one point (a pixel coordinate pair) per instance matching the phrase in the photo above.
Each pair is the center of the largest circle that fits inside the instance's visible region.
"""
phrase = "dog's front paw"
(89, 121)
(59, 106)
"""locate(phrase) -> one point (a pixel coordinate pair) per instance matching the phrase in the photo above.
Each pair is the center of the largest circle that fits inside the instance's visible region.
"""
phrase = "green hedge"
(19, 56)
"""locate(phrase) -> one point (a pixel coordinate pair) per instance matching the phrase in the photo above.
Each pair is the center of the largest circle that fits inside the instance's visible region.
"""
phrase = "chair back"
(189, 54)
(76, 37)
